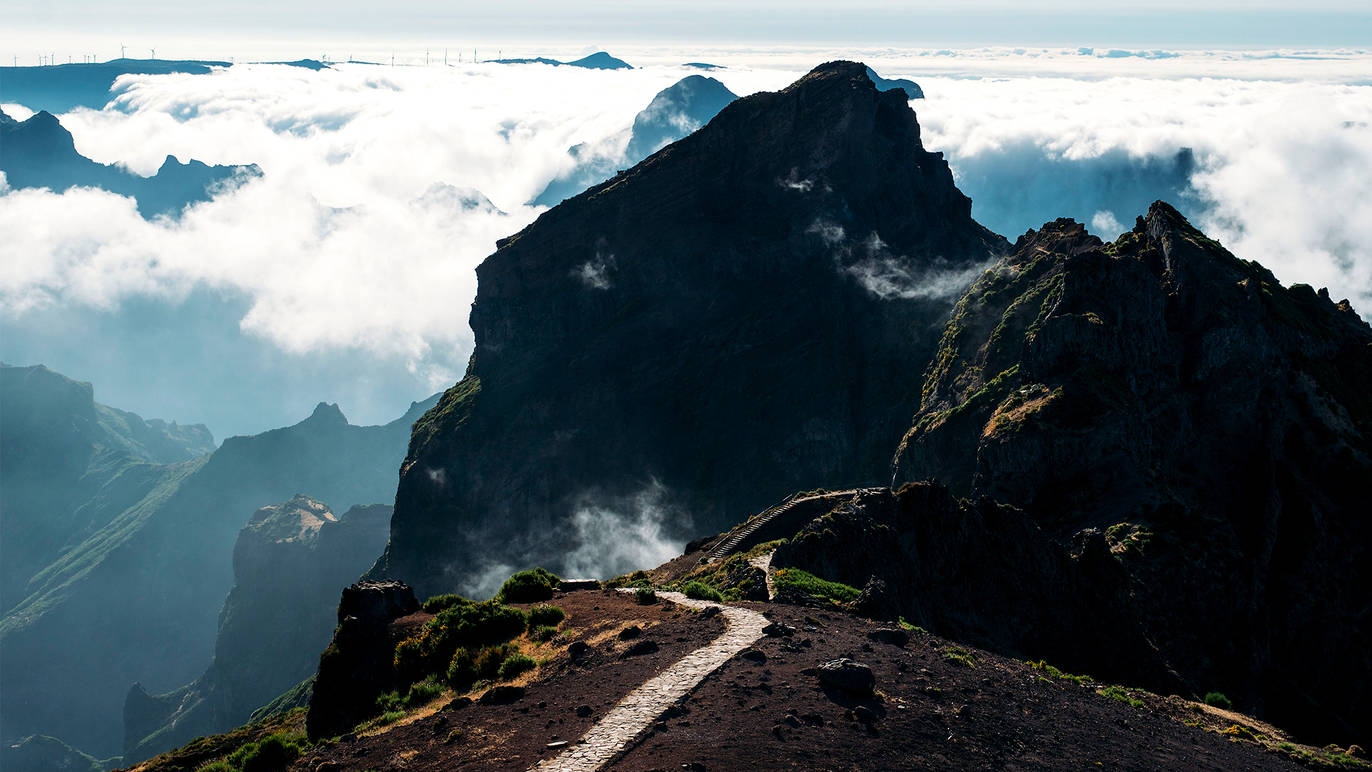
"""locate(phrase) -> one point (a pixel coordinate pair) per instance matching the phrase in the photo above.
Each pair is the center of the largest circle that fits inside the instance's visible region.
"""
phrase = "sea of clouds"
(383, 188)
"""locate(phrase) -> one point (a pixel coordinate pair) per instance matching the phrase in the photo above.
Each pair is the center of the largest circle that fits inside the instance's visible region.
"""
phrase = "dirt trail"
(636, 712)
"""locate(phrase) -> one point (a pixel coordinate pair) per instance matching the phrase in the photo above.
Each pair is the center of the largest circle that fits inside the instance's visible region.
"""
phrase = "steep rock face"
(288, 562)
(1215, 426)
(357, 666)
(984, 573)
(134, 598)
(734, 318)
(40, 153)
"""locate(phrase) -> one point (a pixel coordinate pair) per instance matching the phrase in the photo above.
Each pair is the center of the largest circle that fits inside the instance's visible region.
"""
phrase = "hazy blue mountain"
(60, 450)
(911, 88)
(597, 61)
(704, 66)
(289, 563)
(39, 753)
(674, 112)
(40, 153)
(140, 558)
(63, 87)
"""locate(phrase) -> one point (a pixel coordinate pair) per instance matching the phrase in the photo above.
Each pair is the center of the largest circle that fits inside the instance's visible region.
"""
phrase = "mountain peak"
(328, 413)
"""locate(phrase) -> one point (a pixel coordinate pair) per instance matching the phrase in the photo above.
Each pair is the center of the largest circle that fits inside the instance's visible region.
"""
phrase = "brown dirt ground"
(931, 713)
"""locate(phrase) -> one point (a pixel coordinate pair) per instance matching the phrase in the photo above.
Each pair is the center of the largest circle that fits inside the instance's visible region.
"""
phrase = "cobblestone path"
(636, 712)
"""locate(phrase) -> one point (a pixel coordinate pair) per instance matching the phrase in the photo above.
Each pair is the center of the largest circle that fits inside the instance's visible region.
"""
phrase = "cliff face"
(133, 590)
(1213, 427)
(289, 561)
(734, 318)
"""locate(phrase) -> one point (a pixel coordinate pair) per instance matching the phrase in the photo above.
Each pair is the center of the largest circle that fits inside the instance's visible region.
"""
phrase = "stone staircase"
(743, 537)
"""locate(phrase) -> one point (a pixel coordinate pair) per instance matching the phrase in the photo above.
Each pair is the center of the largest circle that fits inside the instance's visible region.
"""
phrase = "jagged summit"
(734, 315)
(1205, 425)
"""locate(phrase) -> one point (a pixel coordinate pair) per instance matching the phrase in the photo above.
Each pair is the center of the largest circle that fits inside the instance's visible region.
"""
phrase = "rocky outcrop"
(357, 667)
(1202, 430)
(288, 562)
(979, 572)
(734, 318)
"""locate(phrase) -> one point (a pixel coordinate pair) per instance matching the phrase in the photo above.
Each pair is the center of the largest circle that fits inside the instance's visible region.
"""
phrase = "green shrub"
(544, 633)
(645, 596)
(701, 591)
(272, 753)
(961, 656)
(514, 665)
(795, 580)
(1116, 693)
(442, 602)
(543, 616)
(475, 626)
(423, 693)
(216, 766)
(528, 586)
(462, 670)
(1218, 700)
(489, 660)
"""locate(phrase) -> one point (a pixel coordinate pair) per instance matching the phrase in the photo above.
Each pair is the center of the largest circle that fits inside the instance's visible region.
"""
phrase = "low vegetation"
(544, 616)
(528, 586)
(444, 602)
(1218, 700)
(960, 656)
(795, 581)
(645, 596)
(1055, 673)
(701, 591)
(1116, 693)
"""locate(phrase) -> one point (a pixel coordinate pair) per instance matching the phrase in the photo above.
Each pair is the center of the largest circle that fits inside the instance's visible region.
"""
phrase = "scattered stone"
(847, 675)
(791, 721)
(892, 635)
(631, 632)
(557, 744)
(779, 732)
(640, 648)
(327, 766)
(778, 630)
(582, 711)
(710, 611)
(458, 703)
(502, 695)
(864, 714)
(753, 655)
(578, 650)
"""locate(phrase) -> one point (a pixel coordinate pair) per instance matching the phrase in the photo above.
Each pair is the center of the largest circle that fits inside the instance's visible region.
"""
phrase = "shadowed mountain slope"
(142, 565)
(734, 318)
(1178, 411)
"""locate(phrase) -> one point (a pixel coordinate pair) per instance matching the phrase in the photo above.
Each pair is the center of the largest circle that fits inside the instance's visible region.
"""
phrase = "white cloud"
(622, 535)
(346, 244)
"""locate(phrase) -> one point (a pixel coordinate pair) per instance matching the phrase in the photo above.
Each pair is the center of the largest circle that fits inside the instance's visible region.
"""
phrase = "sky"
(259, 29)
(346, 272)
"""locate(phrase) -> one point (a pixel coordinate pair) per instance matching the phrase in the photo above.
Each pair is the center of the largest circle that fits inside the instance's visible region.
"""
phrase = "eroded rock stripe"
(636, 712)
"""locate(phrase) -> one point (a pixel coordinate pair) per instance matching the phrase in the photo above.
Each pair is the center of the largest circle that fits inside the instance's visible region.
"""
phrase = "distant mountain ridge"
(599, 60)
(673, 113)
(142, 563)
(40, 153)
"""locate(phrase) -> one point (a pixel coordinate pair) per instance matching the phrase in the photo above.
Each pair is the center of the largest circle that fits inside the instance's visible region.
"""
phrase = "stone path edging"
(636, 712)
(764, 562)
